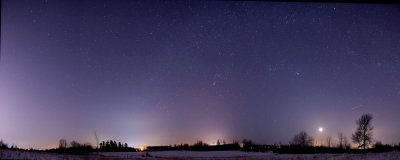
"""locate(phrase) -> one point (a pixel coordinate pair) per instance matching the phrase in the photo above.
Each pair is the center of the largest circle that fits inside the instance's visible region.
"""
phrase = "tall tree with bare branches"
(302, 139)
(97, 139)
(363, 134)
(328, 141)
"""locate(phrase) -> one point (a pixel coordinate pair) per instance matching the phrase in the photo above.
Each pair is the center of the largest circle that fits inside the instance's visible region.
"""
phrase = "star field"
(166, 72)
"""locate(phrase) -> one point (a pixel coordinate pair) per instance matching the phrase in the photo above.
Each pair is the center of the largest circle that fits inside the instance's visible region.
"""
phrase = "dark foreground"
(221, 155)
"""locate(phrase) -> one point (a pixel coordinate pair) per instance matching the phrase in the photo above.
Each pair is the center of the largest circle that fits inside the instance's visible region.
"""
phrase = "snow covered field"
(220, 155)
(13, 154)
(237, 155)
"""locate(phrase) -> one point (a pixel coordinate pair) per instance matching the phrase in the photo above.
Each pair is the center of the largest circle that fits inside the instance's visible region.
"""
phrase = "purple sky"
(166, 72)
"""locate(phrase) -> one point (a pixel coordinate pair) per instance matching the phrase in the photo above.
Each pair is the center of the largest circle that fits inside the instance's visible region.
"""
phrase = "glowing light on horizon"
(320, 129)
(143, 148)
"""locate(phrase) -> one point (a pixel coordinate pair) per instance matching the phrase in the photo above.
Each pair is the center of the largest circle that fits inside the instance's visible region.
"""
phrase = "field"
(220, 155)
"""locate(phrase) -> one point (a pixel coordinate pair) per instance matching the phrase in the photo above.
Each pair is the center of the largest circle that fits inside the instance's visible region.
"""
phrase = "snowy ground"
(237, 155)
(180, 155)
(13, 154)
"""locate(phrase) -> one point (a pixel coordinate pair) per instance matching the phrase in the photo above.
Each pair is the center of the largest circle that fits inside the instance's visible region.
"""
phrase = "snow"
(191, 154)
(20, 154)
(238, 155)
(221, 155)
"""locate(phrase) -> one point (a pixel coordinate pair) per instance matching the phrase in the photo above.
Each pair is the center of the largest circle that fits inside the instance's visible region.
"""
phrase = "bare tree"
(363, 134)
(341, 140)
(97, 139)
(247, 142)
(346, 143)
(302, 139)
(328, 141)
(75, 144)
(200, 144)
(63, 143)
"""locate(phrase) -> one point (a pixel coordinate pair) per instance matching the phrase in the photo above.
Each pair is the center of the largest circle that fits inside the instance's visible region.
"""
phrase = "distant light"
(143, 148)
(320, 129)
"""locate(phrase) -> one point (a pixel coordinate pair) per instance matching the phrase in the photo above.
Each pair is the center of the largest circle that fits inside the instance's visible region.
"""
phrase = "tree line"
(300, 143)
(362, 137)
(75, 147)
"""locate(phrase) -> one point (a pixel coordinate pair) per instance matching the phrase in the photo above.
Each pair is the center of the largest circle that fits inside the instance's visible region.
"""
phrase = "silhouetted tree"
(346, 143)
(342, 141)
(377, 144)
(200, 144)
(302, 139)
(247, 143)
(3, 144)
(363, 134)
(328, 141)
(111, 145)
(102, 144)
(218, 143)
(380, 147)
(75, 144)
(13, 146)
(62, 144)
(97, 139)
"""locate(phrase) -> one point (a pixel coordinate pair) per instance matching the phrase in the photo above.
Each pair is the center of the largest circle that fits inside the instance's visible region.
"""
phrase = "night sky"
(171, 72)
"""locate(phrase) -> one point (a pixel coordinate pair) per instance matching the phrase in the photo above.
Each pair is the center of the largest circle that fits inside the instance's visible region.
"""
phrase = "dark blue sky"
(166, 72)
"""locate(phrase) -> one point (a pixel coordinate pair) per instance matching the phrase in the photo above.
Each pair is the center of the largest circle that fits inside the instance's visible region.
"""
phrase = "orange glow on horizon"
(143, 148)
